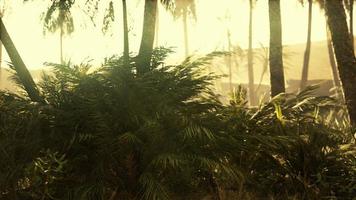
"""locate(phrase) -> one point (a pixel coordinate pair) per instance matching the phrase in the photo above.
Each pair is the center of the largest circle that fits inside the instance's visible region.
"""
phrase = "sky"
(206, 34)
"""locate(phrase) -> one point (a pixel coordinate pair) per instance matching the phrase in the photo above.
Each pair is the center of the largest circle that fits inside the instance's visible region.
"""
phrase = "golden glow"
(208, 33)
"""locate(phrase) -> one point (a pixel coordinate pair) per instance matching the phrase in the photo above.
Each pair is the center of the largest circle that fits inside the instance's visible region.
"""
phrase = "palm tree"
(275, 55)
(331, 53)
(349, 4)
(156, 40)
(182, 9)
(149, 28)
(230, 48)
(3, 8)
(251, 84)
(344, 54)
(1, 15)
(157, 28)
(109, 18)
(229, 59)
(63, 21)
(352, 22)
(305, 68)
(332, 61)
(126, 33)
(185, 29)
(21, 70)
(148, 35)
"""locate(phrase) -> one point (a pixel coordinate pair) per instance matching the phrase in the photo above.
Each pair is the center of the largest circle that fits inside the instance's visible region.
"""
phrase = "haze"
(206, 34)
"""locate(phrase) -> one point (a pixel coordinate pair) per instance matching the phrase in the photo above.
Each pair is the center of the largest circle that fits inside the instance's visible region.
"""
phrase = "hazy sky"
(206, 34)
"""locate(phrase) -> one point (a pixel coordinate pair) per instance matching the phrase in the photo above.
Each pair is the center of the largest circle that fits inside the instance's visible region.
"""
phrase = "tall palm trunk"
(351, 24)
(332, 61)
(185, 29)
(148, 35)
(229, 60)
(305, 72)
(275, 50)
(61, 33)
(0, 54)
(251, 82)
(157, 28)
(344, 54)
(0, 60)
(126, 34)
(20, 67)
(1, 15)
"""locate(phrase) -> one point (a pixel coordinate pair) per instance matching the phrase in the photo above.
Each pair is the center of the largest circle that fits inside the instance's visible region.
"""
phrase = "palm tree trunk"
(352, 23)
(1, 14)
(305, 68)
(20, 67)
(126, 34)
(344, 54)
(0, 54)
(332, 61)
(0, 60)
(148, 35)
(185, 28)
(251, 82)
(157, 28)
(275, 55)
(229, 60)
(61, 33)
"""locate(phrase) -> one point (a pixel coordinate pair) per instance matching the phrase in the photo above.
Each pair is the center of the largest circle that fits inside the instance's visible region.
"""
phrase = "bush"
(294, 151)
(107, 133)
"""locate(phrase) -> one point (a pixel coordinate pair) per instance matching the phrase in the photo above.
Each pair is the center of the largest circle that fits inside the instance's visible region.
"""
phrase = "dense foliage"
(107, 133)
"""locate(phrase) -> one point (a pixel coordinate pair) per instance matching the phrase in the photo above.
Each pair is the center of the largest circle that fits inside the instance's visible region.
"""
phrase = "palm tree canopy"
(59, 15)
(177, 7)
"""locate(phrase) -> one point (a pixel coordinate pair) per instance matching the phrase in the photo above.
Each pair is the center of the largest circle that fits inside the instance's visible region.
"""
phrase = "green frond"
(197, 133)
(152, 189)
(58, 16)
(130, 138)
(169, 161)
(109, 18)
(164, 133)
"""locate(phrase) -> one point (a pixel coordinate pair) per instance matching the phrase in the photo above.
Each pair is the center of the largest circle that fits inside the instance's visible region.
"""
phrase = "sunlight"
(208, 33)
(177, 99)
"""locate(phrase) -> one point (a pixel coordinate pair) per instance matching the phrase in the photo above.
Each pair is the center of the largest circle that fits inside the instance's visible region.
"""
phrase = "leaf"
(151, 188)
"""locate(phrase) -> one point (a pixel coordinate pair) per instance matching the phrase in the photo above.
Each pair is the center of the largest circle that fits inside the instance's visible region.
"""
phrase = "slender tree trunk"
(229, 60)
(148, 35)
(61, 33)
(126, 34)
(1, 15)
(157, 28)
(275, 55)
(185, 28)
(264, 69)
(0, 60)
(332, 61)
(352, 23)
(19, 65)
(344, 54)
(305, 68)
(0, 54)
(251, 82)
